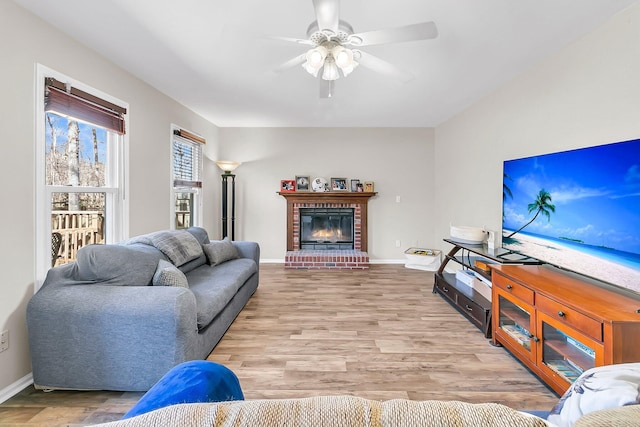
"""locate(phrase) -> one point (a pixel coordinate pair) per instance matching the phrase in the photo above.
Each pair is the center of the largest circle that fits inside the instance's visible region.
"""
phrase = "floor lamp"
(228, 167)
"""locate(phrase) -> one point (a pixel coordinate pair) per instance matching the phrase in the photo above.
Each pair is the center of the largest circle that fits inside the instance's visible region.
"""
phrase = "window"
(187, 179)
(80, 139)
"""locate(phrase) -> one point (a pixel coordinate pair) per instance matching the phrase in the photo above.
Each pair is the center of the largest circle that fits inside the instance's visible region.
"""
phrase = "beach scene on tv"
(578, 210)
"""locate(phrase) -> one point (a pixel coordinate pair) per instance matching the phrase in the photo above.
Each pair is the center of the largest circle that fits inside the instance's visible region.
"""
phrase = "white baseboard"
(387, 261)
(15, 388)
(271, 261)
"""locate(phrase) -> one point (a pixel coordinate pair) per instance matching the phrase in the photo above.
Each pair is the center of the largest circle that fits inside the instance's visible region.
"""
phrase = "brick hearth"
(357, 258)
(327, 260)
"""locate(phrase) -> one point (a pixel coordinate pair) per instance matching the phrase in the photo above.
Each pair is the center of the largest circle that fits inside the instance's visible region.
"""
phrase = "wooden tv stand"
(559, 324)
(470, 303)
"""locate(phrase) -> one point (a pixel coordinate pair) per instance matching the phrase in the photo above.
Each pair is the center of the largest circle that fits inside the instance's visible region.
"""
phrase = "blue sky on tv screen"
(595, 191)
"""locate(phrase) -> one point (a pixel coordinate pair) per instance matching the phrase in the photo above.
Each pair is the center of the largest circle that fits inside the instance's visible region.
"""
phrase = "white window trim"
(197, 192)
(119, 228)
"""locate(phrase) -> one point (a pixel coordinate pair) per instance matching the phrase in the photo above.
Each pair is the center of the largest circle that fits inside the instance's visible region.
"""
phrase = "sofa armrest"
(248, 250)
(109, 337)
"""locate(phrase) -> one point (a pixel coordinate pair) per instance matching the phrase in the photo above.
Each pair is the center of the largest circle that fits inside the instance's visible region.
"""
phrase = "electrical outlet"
(397, 199)
(398, 243)
(4, 341)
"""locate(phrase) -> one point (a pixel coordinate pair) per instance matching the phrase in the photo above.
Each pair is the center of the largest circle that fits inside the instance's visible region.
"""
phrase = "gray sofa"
(121, 316)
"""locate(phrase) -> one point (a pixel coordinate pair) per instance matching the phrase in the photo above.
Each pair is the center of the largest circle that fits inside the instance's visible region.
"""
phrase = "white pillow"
(168, 274)
(602, 387)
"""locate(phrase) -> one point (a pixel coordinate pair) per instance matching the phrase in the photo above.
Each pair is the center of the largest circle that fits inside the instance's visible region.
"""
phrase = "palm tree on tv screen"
(542, 205)
(506, 191)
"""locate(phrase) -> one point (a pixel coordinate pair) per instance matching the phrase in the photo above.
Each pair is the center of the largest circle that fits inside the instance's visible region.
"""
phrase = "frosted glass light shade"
(227, 165)
(330, 71)
(342, 56)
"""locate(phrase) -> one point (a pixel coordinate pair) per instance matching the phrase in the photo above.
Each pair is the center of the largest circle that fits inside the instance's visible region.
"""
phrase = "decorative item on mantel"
(339, 184)
(227, 167)
(368, 186)
(302, 183)
(287, 185)
(320, 185)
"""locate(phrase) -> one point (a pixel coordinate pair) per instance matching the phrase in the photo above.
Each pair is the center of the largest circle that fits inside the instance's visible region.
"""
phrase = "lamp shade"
(330, 70)
(227, 165)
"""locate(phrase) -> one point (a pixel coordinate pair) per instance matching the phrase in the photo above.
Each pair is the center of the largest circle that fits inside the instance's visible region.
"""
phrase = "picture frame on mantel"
(368, 186)
(302, 183)
(287, 185)
(354, 185)
(339, 184)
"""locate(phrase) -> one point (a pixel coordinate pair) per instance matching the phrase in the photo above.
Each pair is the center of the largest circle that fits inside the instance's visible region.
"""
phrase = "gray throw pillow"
(168, 274)
(219, 251)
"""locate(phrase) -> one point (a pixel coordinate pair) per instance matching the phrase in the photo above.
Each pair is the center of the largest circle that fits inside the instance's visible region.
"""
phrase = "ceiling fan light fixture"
(330, 71)
(342, 56)
(315, 57)
(311, 70)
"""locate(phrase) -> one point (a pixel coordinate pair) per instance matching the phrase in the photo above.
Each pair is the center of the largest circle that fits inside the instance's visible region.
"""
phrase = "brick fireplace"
(331, 256)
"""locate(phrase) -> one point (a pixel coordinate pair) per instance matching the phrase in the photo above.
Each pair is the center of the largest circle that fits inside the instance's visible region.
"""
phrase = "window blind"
(186, 162)
(72, 102)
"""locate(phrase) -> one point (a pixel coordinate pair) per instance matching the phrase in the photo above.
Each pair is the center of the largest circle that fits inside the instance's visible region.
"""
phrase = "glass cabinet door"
(515, 321)
(567, 355)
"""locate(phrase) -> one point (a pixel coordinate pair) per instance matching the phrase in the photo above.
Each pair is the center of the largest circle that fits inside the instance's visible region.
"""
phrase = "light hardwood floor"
(379, 334)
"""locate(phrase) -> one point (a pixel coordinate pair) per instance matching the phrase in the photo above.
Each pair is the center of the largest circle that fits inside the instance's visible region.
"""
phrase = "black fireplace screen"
(326, 228)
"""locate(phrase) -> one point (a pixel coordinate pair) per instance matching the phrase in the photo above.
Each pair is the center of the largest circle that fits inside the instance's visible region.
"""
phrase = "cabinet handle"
(509, 287)
(561, 313)
(445, 289)
(468, 308)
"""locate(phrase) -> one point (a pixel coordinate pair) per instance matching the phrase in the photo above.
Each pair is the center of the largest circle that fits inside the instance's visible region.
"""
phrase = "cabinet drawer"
(522, 293)
(447, 290)
(475, 312)
(570, 317)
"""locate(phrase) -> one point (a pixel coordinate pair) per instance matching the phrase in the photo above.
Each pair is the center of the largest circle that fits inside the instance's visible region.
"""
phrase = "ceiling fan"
(335, 47)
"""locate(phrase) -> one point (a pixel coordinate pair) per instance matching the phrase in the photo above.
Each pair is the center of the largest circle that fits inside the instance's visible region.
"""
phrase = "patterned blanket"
(179, 246)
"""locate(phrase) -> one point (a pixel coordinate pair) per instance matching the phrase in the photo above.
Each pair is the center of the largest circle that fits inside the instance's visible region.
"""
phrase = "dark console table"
(469, 302)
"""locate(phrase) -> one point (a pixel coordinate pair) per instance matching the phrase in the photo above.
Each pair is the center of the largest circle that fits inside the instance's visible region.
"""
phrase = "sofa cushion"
(193, 264)
(602, 387)
(168, 274)
(219, 251)
(116, 265)
(200, 234)
(214, 287)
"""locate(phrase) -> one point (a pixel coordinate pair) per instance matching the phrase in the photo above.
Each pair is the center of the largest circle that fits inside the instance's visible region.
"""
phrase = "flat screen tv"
(578, 210)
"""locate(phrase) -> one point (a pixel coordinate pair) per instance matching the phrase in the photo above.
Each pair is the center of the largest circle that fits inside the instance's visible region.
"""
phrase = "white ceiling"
(216, 58)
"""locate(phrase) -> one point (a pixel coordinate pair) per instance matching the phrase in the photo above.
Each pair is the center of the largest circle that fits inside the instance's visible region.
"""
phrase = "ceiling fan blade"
(297, 60)
(291, 39)
(383, 67)
(326, 88)
(327, 14)
(422, 31)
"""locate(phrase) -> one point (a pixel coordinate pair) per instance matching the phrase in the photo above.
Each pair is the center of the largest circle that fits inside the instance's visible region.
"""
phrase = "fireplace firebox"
(326, 228)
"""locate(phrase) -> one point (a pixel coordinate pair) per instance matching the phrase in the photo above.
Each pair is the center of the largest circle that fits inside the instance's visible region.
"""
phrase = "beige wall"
(399, 161)
(587, 94)
(25, 41)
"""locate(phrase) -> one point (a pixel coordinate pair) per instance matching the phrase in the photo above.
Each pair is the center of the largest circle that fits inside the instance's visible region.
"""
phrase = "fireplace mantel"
(297, 198)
